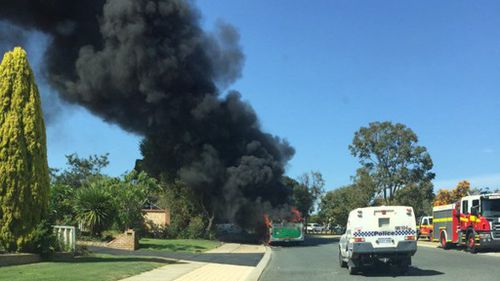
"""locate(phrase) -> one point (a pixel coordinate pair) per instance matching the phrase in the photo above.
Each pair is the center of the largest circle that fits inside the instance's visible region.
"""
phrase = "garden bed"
(18, 258)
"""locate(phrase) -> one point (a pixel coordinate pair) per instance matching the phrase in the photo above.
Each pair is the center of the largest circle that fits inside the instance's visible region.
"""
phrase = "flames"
(292, 216)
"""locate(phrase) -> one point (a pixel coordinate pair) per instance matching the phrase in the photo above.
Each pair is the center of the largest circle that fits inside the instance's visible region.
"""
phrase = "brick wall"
(125, 241)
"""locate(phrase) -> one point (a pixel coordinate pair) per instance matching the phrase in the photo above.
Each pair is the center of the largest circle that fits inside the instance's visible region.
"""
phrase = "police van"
(378, 234)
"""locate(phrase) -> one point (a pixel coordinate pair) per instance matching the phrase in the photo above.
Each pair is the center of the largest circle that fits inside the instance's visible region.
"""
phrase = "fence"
(66, 237)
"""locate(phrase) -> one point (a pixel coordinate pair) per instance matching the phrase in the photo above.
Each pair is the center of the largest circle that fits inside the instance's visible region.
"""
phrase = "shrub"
(43, 240)
(196, 228)
(130, 194)
(94, 208)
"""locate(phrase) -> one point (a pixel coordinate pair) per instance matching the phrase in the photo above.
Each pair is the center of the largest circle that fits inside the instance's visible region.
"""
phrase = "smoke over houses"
(150, 68)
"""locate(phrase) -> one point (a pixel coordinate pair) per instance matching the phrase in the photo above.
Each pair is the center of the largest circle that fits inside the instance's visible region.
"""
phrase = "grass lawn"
(178, 245)
(89, 268)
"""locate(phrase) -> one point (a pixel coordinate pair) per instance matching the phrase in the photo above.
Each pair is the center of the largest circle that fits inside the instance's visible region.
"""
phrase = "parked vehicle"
(337, 229)
(289, 229)
(425, 227)
(474, 222)
(378, 234)
(314, 227)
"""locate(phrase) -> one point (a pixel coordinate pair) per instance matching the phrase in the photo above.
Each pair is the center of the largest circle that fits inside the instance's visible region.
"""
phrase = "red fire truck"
(474, 222)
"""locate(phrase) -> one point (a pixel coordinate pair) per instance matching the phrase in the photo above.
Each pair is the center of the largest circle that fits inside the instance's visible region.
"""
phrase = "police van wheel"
(342, 263)
(352, 270)
(404, 266)
(471, 243)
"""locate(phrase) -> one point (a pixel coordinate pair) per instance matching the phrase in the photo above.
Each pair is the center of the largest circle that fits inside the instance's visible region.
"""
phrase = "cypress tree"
(24, 172)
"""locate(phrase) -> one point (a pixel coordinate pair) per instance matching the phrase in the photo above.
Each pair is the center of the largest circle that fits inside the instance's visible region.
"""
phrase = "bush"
(196, 228)
(94, 208)
(129, 195)
(61, 204)
(43, 241)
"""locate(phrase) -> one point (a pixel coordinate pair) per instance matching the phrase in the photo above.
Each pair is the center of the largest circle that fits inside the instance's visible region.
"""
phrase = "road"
(317, 259)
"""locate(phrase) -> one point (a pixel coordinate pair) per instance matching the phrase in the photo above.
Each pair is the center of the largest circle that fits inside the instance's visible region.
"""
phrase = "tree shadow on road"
(310, 241)
(387, 271)
(245, 259)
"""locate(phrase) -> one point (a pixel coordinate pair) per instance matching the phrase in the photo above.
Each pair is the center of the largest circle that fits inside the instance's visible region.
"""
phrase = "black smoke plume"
(148, 66)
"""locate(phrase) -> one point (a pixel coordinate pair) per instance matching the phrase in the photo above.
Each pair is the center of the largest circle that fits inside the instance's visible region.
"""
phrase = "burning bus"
(288, 229)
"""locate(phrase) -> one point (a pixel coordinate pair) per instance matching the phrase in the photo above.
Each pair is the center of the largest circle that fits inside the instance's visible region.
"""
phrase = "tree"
(445, 196)
(178, 198)
(306, 192)
(64, 184)
(335, 205)
(81, 170)
(130, 194)
(301, 198)
(419, 196)
(24, 172)
(462, 189)
(391, 155)
(483, 190)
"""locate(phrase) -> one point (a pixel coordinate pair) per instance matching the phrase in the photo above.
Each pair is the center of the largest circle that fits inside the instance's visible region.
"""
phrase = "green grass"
(90, 268)
(178, 245)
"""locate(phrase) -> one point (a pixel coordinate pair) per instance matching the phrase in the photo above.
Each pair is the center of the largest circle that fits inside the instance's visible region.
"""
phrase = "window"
(475, 206)
(465, 207)
(475, 203)
(491, 207)
(425, 222)
(383, 222)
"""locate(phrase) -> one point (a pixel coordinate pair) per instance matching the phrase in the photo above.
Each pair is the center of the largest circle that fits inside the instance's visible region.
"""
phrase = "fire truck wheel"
(471, 243)
(341, 261)
(444, 244)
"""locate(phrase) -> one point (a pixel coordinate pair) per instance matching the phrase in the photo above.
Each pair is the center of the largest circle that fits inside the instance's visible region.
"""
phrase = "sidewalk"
(429, 244)
(211, 268)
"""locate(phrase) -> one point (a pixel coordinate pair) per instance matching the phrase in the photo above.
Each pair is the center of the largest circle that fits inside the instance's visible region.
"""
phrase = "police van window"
(383, 222)
(465, 207)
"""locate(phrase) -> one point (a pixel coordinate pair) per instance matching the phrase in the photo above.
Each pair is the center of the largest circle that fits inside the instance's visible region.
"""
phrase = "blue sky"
(316, 71)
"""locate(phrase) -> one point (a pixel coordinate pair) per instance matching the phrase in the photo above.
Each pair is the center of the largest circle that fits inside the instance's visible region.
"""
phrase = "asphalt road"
(317, 259)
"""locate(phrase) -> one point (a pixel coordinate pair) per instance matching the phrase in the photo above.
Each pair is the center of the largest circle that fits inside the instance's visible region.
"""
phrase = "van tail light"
(359, 239)
(410, 237)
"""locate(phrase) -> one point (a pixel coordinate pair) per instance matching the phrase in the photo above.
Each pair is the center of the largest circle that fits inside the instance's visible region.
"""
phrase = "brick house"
(155, 217)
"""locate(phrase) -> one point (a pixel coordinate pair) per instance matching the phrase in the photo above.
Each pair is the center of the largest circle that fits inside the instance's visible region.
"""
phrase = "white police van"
(378, 234)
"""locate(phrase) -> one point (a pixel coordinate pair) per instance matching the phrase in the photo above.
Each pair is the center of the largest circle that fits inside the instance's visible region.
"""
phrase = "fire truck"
(474, 222)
